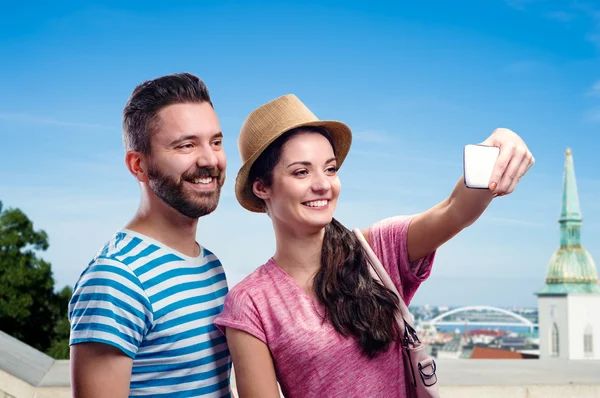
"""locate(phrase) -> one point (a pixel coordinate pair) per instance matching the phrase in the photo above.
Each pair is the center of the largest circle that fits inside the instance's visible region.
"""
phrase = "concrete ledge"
(13, 386)
(59, 375)
(572, 391)
(517, 372)
(55, 392)
(515, 378)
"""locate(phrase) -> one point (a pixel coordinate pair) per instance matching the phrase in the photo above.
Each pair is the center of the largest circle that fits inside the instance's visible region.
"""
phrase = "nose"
(206, 157)
(321, 182)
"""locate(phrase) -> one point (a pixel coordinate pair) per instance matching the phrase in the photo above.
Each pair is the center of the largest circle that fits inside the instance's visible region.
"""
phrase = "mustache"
(202, 173)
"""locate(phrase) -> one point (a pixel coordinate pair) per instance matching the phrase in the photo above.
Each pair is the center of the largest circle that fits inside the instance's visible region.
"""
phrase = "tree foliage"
(30, 309)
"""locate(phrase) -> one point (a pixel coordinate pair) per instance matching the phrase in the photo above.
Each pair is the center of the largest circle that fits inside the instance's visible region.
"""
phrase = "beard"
(173, 193)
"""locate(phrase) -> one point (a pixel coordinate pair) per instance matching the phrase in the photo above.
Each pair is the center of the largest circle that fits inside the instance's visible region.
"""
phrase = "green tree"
(30, 310)
(59, 347)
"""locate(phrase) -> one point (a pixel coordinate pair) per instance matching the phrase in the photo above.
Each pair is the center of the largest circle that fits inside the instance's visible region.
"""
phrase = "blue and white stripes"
(158, 307)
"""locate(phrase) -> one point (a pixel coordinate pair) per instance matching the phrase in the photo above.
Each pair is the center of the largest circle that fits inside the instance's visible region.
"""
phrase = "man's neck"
(161, 222)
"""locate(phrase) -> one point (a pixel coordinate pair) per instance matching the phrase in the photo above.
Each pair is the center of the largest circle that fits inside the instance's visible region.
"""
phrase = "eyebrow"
(193, 137)
(307, 163)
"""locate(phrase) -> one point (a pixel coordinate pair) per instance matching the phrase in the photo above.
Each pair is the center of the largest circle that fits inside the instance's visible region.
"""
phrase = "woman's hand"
(513, 162)
(431, 229)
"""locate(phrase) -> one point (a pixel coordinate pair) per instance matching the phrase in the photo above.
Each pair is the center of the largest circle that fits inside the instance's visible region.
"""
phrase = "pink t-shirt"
(311, 359)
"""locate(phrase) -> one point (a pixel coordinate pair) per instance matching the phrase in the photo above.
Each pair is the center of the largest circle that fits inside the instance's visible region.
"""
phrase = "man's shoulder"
(127, 246)
(146, 256)
(115, 250)
(108, 296)
(111, 261)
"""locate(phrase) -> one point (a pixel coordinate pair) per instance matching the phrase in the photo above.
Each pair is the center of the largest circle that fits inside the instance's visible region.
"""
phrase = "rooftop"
(493, 353)
(23, 361)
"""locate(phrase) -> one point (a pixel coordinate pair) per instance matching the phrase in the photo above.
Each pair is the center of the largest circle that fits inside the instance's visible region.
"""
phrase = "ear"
(136, 164)
(260, 190)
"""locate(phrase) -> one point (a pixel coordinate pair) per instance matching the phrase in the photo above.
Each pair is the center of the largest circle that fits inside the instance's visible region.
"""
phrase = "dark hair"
(148, 98)
(356, 304)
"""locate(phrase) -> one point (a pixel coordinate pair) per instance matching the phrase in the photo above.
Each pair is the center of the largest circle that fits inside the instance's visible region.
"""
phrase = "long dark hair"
(356, 304)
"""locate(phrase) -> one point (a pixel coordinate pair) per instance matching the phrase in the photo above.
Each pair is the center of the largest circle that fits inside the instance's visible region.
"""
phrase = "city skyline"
(415, 83)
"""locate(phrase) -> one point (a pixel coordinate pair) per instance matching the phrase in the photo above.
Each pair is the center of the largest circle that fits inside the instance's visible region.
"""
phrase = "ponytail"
(356, 304)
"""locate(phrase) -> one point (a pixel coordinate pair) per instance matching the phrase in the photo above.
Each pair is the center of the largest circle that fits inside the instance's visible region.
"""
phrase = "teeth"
(317, 203)
(206, 180)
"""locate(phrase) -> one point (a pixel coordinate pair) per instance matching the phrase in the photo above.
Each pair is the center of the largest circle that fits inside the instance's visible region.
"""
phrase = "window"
(573, 233)
(588, 341)
(554, 347)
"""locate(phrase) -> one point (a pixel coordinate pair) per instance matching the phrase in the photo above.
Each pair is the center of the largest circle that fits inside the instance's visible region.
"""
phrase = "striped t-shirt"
(158, 306)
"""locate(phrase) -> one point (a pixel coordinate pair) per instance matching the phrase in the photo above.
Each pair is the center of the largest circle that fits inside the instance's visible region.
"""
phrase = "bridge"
(481, 319)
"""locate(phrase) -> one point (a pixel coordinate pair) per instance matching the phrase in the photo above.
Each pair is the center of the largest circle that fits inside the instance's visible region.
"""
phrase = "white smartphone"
(478, 164)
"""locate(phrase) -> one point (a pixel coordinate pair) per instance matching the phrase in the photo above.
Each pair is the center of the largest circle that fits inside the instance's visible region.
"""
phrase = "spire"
(570, 215)
(571, 268)
(570, 201)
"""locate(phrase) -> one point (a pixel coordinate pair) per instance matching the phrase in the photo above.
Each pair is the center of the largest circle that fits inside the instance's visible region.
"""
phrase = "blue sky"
(415, 82)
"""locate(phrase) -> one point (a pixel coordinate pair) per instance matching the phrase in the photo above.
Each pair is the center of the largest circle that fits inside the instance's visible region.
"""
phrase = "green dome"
(571, 265)
(571, 268)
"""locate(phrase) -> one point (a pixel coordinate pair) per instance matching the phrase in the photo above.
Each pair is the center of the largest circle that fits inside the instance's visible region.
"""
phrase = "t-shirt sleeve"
(110, 306)
(388, 238)
(240, 312)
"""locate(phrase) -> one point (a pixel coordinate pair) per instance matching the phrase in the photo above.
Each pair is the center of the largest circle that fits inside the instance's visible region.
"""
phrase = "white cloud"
(372, 136)
(513, 221)
(575, 9)
(594, 38)
(377, 154)
(520, 4)
(525, 66)
(595, 90)
(26, 118)
(561, 16)
(589, 11)
(593, 115)
(405, 159)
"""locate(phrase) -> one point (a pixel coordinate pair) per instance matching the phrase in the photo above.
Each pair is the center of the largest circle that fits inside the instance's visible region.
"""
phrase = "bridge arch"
(522, 321)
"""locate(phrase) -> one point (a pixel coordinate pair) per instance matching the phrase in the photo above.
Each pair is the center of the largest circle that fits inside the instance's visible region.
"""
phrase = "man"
(142, 311)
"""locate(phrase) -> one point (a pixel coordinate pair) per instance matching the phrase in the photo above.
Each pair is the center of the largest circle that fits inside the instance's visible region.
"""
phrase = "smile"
(316, 204)
(203, 184)
(204, 180)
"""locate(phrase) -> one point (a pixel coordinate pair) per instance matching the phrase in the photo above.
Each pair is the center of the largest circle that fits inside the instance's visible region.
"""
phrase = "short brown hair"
(147, 99)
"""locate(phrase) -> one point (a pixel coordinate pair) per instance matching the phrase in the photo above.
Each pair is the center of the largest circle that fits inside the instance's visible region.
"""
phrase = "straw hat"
(268, 122)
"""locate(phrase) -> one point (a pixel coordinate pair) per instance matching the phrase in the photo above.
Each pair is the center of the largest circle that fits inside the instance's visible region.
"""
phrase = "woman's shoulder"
(255, 283)
(244, 306)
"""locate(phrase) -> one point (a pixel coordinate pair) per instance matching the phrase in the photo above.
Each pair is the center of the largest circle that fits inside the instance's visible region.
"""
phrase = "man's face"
(186, 167)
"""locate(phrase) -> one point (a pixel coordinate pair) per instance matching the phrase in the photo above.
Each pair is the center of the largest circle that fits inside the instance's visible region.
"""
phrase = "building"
(569, 303)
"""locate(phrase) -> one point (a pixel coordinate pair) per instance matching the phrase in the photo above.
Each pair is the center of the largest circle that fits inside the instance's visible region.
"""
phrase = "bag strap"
(379, 273)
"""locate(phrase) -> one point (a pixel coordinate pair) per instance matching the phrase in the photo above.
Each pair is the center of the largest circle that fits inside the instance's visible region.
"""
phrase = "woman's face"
(305, 185)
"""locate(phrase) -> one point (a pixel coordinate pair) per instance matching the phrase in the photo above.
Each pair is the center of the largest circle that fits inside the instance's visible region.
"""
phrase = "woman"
(312, 318)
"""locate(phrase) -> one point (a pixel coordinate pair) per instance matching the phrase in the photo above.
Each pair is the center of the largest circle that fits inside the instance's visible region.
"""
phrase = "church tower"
(569, 303)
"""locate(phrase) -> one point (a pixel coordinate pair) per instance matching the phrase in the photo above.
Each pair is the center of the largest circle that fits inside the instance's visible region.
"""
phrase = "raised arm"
(429, 230)
(252, 364)
(99, 371)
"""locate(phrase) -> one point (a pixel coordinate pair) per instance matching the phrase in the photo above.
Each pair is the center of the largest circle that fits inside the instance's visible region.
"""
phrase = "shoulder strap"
(379, 273)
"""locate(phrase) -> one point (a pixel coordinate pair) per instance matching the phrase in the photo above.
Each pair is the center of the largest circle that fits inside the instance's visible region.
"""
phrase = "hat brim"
(341, 136)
